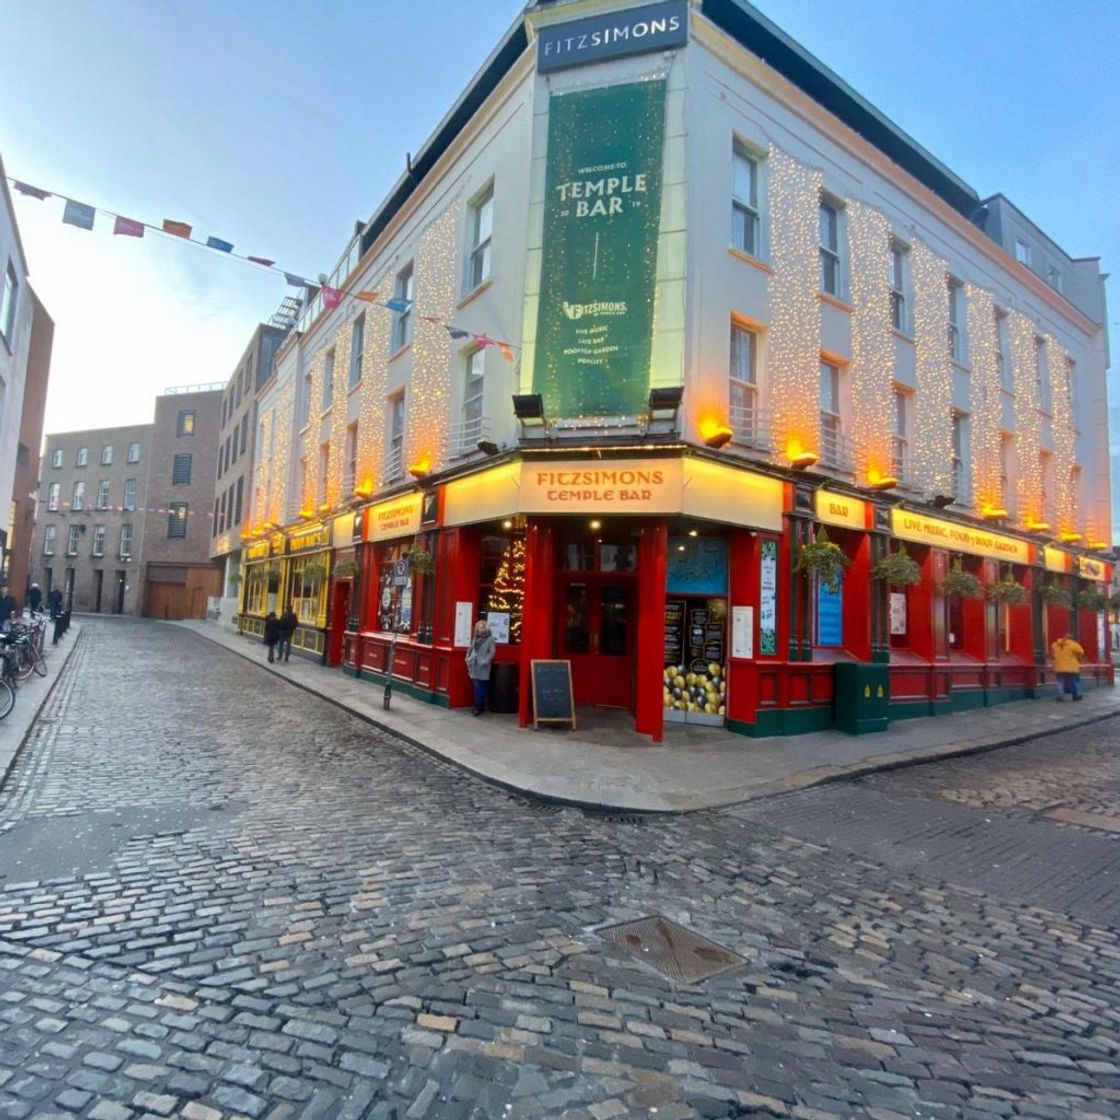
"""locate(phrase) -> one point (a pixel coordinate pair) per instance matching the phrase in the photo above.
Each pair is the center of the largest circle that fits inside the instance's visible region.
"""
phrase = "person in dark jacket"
(271, 634)
(9, 608)
(34, 597)
(288, 623)
(54, 601)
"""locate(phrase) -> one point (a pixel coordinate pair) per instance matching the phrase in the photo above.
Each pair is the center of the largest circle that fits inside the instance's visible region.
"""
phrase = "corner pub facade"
(666, 299)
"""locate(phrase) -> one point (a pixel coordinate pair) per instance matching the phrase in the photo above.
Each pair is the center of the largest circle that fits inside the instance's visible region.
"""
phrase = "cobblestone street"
(220, 896)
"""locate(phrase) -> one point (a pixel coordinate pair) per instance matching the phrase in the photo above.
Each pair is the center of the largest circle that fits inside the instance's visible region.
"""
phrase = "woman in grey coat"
(479, 659)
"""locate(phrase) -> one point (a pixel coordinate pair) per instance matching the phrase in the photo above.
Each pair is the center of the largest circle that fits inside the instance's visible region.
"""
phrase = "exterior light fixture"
(420, 470)
(940, 501)
(1069, 537)
(693, 533)
(595, 526)
(507, 524)
(879, 481)
(718, 436)
(803, 460)
(993, 513)
(665, 402)
(529, 409)
(1038, 526)
(488, 447)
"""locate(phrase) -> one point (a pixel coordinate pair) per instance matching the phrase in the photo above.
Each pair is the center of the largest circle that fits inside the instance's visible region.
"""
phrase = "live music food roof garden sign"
(602, 217)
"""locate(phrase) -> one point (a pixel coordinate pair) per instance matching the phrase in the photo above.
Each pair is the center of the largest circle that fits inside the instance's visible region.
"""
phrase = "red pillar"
(537, 621)
(857, 598)
(743, 590)
(653, 554)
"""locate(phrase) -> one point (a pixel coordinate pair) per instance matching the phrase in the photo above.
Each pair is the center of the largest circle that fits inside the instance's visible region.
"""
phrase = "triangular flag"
(78, 214)
(26, 188)
(126, 227)
(297, 281)
(429, 319)
(483, 341)
(262, 260)
(455, 332)
(367, 297)
(505, 351)
(398, 305)
(332, 297)
(219, 244)
(179, 229)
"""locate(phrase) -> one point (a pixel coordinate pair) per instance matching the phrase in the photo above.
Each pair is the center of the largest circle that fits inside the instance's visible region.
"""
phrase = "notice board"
(553, 699)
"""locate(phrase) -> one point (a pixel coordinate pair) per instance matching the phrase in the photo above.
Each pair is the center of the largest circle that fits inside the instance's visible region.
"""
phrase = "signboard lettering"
(657, 27)
(553, 700)
(1090, 568)
(399, 517)
(961, 538)
(839, 509)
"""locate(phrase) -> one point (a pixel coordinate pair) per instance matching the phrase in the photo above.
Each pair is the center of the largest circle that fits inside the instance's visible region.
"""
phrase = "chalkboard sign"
(553, 701)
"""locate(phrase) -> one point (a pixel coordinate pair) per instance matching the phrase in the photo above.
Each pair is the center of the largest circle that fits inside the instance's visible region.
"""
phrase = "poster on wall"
(742, 632)
(464, 612)
(898, 613)
(768, 600)
(499, 626)
(599, 255)
(697, 566)
(830, 615)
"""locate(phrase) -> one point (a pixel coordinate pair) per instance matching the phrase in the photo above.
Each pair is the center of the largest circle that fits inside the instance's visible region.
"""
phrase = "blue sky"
(276, 126)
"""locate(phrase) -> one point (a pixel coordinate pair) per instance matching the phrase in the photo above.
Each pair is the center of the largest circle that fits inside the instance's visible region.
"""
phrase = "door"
(340, 613)
(119, 609)
(596, 634)
(98, 581)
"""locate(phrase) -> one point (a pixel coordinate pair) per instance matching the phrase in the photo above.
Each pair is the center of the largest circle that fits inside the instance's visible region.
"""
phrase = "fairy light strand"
(340, 395)
(987, 400)
(1024, 374)
(933, 430)
(1061, 435)
(371, 403)
(309, 498)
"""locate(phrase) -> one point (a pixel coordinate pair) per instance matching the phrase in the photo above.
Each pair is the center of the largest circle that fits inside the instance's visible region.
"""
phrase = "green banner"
(602, 214)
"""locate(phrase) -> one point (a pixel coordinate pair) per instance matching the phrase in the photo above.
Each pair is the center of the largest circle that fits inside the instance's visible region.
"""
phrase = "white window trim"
(753, 211)
(476, 245)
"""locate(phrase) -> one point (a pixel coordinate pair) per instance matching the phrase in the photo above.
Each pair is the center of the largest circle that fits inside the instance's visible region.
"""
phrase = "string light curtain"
(987, 399)
(429, 402)
(793, 338)
(872, 365)
(1024, 375)
(375, 384)
(262, 508)
(309, 498)
(278, 470)
(933, 426)
(340, 392)
(1061, 435)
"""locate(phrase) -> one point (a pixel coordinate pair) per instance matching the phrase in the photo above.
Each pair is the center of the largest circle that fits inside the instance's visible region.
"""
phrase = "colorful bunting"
(332, 297)
(179, 229)
(506, 351)
(78, 214)
(219, 244)
(483, 341)
(34, 192)
(261, 260)
(455, 332)
(297, 281)
(367, 297)
(398, 305)
(126, 227)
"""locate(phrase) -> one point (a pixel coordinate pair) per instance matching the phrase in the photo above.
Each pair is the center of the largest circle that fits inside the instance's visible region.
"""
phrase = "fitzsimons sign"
(658, 27)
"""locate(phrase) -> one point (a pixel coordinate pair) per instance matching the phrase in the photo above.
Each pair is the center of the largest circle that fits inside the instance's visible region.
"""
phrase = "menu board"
(674, 631)
(695, 675)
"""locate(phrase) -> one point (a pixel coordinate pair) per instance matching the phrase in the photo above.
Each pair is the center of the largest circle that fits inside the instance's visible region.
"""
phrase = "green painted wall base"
(783, 721)
(417, 693)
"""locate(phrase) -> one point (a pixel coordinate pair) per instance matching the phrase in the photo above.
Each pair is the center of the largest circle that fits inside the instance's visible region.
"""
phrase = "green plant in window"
(1114, 600)
(234, 580)
(272, 572)
(822, 559)
(1007, 590)
(899, 569)
(1091, 599)
(420, 560)
(315, 572)
(1054, 595)
(961, 583)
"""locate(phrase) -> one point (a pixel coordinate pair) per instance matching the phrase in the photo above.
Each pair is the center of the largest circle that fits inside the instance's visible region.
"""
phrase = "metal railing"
(208, 387)
(752, 427)
(462, 439)
(392, 466)
(837, 451)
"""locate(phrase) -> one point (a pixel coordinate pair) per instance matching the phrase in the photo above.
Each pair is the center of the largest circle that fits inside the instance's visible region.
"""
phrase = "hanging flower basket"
(822, 559)
(234, 579)
(315, 573)
(1090, 599)
(420, 560)
(346, 569)
(273, 574)
(899, 569)
(962, 583)
(1054, 595)
(1114, 600)
(1008, 590)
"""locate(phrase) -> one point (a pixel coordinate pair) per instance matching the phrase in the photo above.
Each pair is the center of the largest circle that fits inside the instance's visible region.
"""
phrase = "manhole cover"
(675, 951)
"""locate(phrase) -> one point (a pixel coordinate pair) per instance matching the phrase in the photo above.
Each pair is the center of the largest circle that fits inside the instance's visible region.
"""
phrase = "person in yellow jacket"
(1067, 656)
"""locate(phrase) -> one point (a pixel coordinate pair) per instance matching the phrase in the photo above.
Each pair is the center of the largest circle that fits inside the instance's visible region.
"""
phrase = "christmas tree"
(509, 586)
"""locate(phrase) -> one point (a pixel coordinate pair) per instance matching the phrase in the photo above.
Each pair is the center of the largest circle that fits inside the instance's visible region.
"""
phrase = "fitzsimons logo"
(591, 310)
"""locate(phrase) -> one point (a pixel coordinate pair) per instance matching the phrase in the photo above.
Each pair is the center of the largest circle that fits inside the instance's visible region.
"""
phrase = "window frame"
(403, 288)
(107, 455)
(97, 547)
(130, 457)
(81, 457)
(54, 497)
(124, 541)
(900, 268)
(73, 533)
(471, 381)
(104, 487)
(185, 422)
(50, 534)
(357, 346)
(9, 301)
(57, 456)
(177, 460)
(749, 209)
(177, 513)
(831, 254)
(78, 495)
(955, 328)
(479, 257)
(328, 382)
(900, 430)
(747, 387)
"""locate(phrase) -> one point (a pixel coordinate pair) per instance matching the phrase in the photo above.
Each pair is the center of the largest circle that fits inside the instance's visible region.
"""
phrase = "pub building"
(678, 362)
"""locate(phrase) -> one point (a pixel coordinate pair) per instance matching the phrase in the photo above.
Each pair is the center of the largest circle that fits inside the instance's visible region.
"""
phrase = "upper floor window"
(81, 459)
(78, 498)
(744, 200)
(133, 455)
(1002, 362)
(482, 232)
(56, 457)
(49, 532)
(328, 381)
(103, 494)
(831, 424)
(402, 323)
(1006, 450)
(185, 424)
(181, 470)
(899, 267)
(177, 520)
(900, 435)
(1042, 375)
(472, 399)
(107, 455)
(395, 459)
(960, 482)
(54, 495)
(126, 541)
(72, 535)
(956, 318)
(98, 540)
(742, 380)
(1053, 278)
(8, 304)
(357, 344)
(304, 401)
(351, 459)
(324, 474)
(1022, 252)
(830, 248)
(130, 494)
(244, 432)
(1071, 380)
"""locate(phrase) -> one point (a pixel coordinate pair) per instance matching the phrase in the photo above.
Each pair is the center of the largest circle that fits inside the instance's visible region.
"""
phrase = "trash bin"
(504, 686)
(863, 697)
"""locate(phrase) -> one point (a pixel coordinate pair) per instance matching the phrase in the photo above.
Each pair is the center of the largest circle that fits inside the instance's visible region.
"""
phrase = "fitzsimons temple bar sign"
(657, 27)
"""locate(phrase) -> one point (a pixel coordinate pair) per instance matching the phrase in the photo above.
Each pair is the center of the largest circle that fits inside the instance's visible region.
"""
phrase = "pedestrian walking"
(1067, 655)
(34, 597)
(8, 608)
(288, 623)
(54, 602)
(479, 659)
(271, 634)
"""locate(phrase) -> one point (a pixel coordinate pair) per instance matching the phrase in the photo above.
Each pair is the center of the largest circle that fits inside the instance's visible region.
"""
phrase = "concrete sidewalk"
(606, 765)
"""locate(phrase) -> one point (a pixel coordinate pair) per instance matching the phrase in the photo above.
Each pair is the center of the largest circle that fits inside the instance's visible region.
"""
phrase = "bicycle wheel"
(39, 662)
(24, 661)
(7, 698)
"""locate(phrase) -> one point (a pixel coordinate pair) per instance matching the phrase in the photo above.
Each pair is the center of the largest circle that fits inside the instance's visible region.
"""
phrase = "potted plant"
(962, 583)
(1007, 589)
(899, 569)
(1090, 599)
(315, 572)
(273, 573)
(1054, 595)
(823, 559)
(346, 569)
(420, 560)
(234, 580)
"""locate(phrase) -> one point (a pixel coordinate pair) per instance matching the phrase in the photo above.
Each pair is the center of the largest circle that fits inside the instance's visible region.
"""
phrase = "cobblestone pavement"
(223, 897)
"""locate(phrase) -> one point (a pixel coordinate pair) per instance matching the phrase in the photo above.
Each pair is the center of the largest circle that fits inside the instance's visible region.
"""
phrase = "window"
(244, 432)
(899, 262)
(402, 324)
(214, 519)
(304, 402)
(1002, 364)
(900, 436)
(53, 496)
(351, 460)
(107, 455)
(56, 457)
(8, 305)
(743, 381)
(103, 494)
(133, 455)
(78, 498)
(1042, 375)
(49, 533)
(956, 340)
(960, 482)
(481, 235)
(1006, 450)
(830, 412)
(357, 344)
(328, 381)
(1046, 473)
(502, 579)
(181, 470)
(130, 494)
(98, 540)
(177, 520)
(1071, 380)
(221, 460)
(472, 400)
(1053, 278)
(1022, 252)
(81, 459)
(237, 502)
(830, 248)
(72, 535)
(222, 514)
(126, 541)
(744, 200)
(307, 588)
(185, 424)
(396, 436)
(324, 471)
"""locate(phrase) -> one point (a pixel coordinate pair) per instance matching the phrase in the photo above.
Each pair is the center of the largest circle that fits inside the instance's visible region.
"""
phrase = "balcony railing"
(752, 427)
(462, 439)
(837, 451)
(392, 466)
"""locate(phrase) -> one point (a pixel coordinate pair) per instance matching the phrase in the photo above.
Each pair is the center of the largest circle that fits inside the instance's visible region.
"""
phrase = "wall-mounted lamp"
(420, 470)
(1069, 536)
(665, 402)
(718, 436)
(1038, 526)
(803, 460)
(940, 501)
(879, 481)
(529, 409)
(488, 447)
(993, 513)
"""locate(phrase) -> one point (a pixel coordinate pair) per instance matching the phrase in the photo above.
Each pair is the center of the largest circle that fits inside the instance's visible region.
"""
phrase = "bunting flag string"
(82, 215)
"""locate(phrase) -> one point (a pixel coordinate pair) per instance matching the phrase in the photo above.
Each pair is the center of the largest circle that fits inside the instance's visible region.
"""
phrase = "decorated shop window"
(502, 586)
(828, 614)
(307, 589)
(394, 588)
(256, 589)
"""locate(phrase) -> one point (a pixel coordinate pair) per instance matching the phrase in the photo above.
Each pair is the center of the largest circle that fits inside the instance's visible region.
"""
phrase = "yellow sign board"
(310, 539)
(915, 527)
(839, 509)
(613, 486)
(398, 517)
(1090, 568)
(485, 496)
(1055, 559)
(259, 551)
(718, 493)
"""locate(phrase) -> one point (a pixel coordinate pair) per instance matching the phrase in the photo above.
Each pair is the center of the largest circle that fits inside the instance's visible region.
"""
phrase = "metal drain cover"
(675, 951)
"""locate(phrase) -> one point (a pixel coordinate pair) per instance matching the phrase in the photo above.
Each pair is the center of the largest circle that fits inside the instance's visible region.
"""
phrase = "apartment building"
(676, 359)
